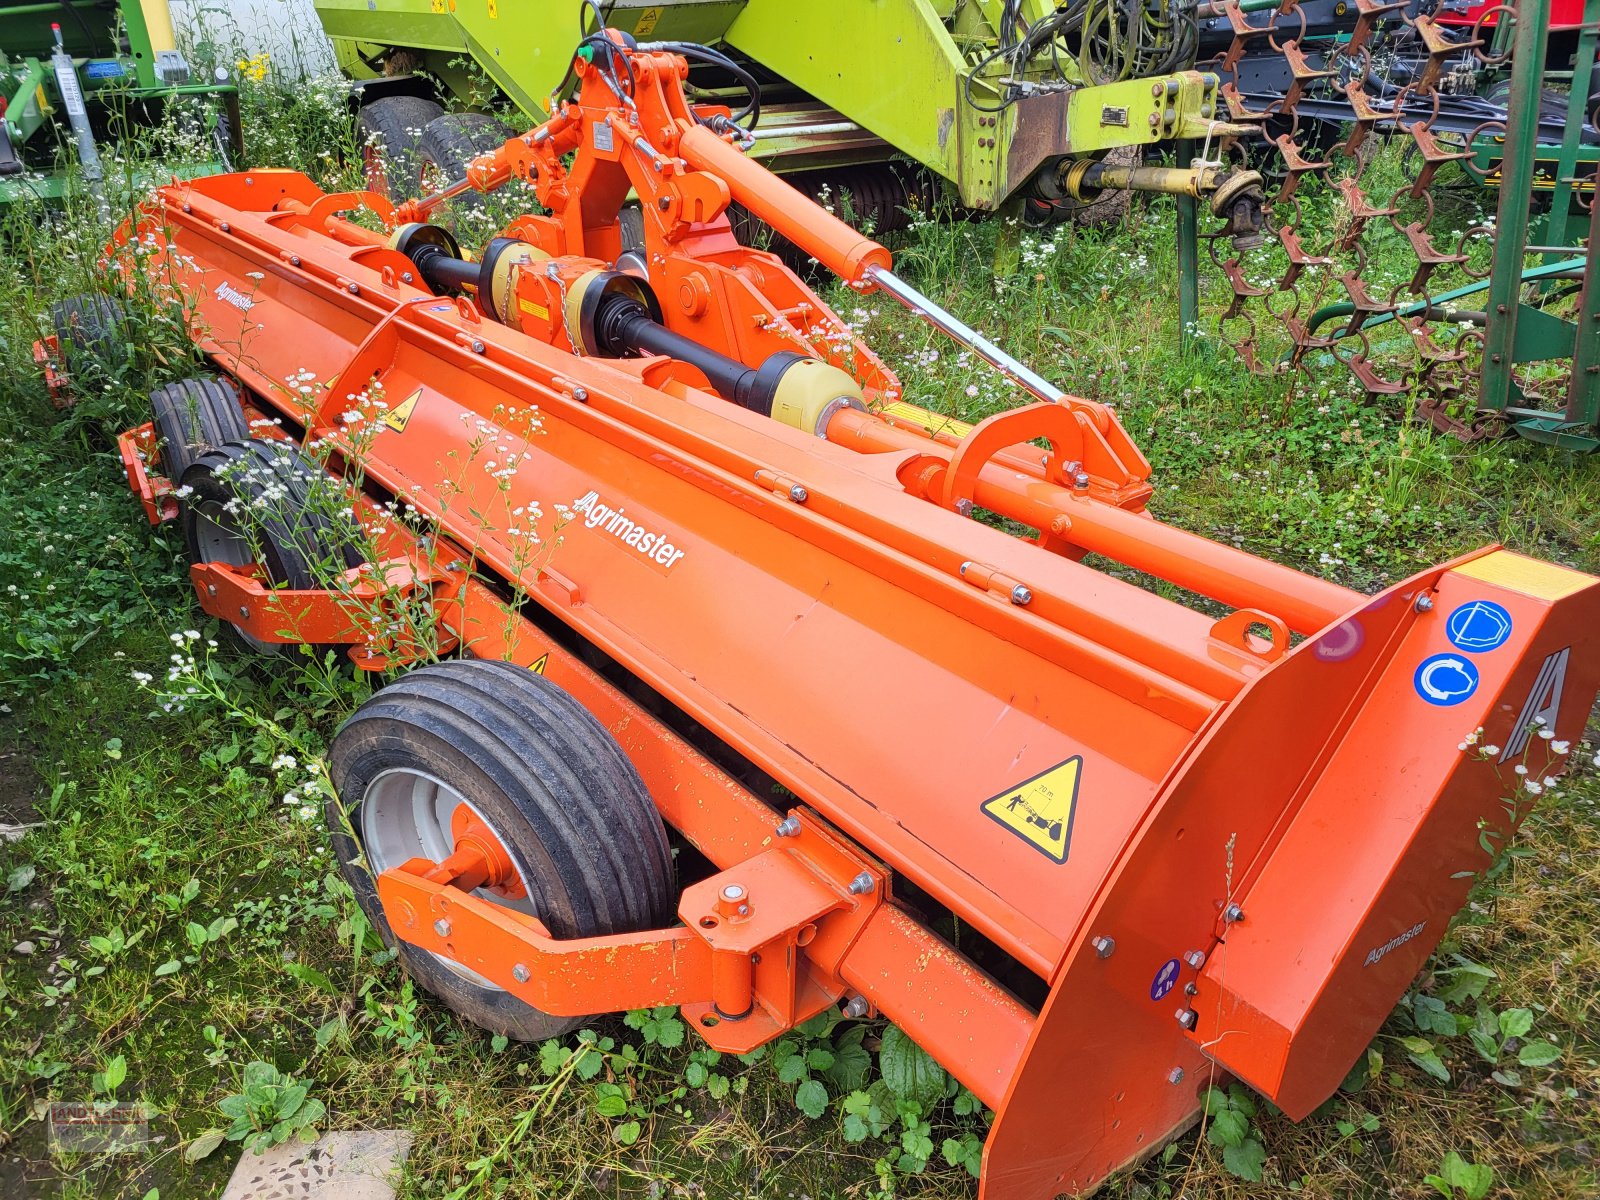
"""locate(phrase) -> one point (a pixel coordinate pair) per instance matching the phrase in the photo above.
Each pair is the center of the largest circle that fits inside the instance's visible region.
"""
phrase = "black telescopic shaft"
(623, 327)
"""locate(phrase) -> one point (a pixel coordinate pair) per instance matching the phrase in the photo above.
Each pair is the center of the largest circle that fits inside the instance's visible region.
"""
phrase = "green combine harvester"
(1024, 106)
(78, 73)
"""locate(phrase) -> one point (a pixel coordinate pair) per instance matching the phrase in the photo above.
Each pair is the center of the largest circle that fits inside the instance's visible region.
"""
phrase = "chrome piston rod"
(919, 305)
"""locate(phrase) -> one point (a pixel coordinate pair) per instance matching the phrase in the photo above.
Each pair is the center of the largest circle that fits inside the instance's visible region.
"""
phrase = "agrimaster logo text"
(229, 294)
(654, 547)
(1394, 943)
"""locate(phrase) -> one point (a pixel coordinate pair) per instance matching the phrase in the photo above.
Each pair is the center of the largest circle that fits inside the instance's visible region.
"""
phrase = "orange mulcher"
(1175, 846)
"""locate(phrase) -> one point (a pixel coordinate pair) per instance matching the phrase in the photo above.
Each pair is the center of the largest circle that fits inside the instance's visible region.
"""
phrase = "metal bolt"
(1175, 1075)
(664, 203)
(1189, 989)
(354, 289)
(225, 227)
(744, 910)
(1021, 595)
(1233, 913)
(294, 260)
(798, 494)
(964, 507)
(1081, 479)
(1195, 958)
(442, 927)
(244, 612)
(1424, 602)
(856, 1006)
(520, 973)
(211, 589)
(1105, 947)
(1187, 1018)
(408, 277)
(964, 567)
(188, 208)
(861, 884)
(733, 892)
(580, 394)
(478, 347)
(788, 827)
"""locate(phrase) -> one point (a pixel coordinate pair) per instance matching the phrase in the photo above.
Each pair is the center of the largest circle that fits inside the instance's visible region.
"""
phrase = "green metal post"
(1516, 195)
(1555, 233)
(1188, 260)
(1583, 390)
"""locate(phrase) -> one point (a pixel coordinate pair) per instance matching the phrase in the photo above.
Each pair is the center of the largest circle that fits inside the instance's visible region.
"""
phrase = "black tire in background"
(391, 132)
(448, 146)
(192, 416)
(552, 783)
(92, 329)
(264, 501)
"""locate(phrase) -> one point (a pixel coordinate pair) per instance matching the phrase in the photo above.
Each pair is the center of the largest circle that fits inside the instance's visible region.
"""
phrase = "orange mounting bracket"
(47, 357)
(1055, 423)
(1235, 631)
(761, 947)
(137, 448)
(359, 613)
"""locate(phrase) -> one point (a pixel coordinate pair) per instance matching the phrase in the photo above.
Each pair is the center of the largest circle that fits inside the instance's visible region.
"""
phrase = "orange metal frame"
(1251, 827)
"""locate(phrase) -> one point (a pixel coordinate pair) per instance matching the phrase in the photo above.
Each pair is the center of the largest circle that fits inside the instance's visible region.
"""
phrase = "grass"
(185, 923)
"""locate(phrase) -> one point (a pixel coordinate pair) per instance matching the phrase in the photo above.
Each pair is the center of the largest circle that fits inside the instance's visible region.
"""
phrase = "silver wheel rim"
(218, 538)
(406, 814)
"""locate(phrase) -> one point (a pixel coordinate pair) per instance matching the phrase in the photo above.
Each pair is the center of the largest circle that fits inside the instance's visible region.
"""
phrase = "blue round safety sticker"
(1445, 679)
(1166, 978)
(1478, 626)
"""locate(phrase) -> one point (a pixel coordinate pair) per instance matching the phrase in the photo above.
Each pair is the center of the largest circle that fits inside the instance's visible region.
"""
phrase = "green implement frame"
(862, 79)
(69, 69)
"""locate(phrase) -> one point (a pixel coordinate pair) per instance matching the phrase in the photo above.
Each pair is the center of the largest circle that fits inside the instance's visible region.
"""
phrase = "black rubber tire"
(192, 416)
(450, 143)
(565, 800)
(92, 330)
(300, 544)
(391, 134)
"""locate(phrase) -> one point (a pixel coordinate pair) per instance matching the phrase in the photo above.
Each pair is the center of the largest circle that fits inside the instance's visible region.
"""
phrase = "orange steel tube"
(338, 228)
(1235, 578)
(843, 250)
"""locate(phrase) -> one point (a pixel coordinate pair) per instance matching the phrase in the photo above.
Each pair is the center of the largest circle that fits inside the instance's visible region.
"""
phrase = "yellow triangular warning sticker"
(538, 667)
(397, 416)
(1040, 809)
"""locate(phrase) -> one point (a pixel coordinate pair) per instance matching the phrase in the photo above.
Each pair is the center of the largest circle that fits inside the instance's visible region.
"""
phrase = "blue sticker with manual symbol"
(1478, 626)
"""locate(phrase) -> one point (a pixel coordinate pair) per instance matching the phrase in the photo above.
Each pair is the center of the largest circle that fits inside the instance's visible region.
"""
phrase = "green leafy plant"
(1457, 1176)
(1228, 1124)
(269, 1108)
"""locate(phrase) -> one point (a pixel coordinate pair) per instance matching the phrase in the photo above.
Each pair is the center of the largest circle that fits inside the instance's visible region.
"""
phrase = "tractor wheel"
(391, 133)
(92, 329)
(448, 146)
(551, 785)
(192, 416)
(261, 501)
